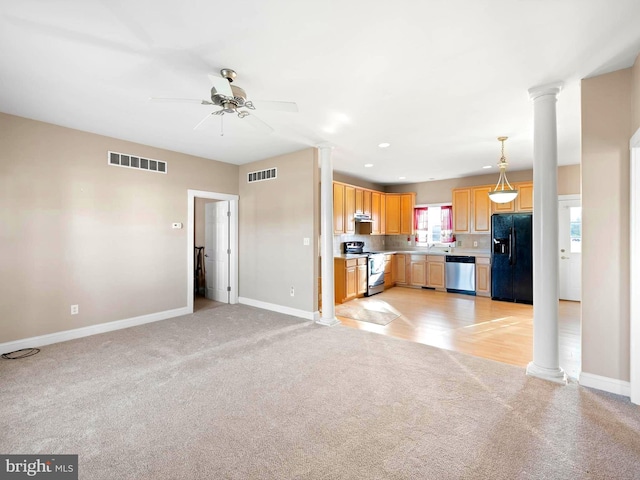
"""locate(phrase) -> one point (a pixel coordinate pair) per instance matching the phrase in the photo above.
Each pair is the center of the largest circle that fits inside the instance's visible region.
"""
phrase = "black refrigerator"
(512, 257)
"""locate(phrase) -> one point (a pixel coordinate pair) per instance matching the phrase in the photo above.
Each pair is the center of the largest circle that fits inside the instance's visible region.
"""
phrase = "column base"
(328, 322)
(556, 375)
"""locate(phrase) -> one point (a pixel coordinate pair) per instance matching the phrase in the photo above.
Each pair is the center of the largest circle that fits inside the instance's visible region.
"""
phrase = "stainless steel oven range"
(375, 266)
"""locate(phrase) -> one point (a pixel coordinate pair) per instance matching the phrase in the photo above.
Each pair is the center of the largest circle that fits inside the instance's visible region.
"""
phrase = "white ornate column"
(326, 234)
(546, 353)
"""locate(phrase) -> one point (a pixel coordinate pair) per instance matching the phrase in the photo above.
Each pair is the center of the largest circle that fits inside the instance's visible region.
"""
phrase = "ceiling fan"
(233, 100)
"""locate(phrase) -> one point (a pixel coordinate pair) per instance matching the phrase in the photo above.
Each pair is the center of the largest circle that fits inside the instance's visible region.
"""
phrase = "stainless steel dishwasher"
(460, 274)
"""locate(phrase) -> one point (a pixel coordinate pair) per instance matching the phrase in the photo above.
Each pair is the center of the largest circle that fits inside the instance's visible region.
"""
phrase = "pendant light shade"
(503, 192)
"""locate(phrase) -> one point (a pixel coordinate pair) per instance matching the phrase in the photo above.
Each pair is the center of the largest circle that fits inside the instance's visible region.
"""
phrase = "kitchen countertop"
(456, 251)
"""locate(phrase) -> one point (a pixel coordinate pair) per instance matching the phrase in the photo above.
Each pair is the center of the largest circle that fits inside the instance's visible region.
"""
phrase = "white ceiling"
(439, 80)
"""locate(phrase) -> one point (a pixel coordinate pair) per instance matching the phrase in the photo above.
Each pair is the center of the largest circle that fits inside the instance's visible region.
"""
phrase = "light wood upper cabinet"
(366, 209)
(524, 200)
(472, 207)
(392, 201)
(375, 213)
(407, 202)
(349, 209)
(338, 208)
(399, 214)
(481, 207)
(461, 201)
(359, 200)
(383, 214)
(390, 213)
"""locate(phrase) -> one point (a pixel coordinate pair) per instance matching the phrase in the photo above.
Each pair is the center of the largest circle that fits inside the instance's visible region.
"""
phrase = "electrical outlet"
(459, 243)
(292, 292)
(306, 241)
(74, 309)
(475, 244)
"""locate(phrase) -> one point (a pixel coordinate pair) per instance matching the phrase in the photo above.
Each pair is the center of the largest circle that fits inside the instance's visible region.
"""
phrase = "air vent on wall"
(116, 159)
(268, 174)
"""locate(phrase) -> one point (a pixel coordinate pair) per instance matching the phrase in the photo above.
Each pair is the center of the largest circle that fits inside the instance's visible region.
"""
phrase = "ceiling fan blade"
(222, 85)
(180, 100)
(204, 120)
(291, 107)
(258, 124)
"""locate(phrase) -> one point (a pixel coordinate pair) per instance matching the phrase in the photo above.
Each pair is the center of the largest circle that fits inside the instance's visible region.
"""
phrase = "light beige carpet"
(240, 393)
(376, 312)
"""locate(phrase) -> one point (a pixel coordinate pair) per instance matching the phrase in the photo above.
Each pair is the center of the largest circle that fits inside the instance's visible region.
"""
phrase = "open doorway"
(211, 253)
(212, 245)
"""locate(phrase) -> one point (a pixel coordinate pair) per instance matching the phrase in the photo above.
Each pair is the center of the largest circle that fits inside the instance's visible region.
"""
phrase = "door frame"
(233, 241)
(571, 196)
(634, 261)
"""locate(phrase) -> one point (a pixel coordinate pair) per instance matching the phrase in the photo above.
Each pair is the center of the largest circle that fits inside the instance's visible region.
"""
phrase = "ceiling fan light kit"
(231, 99)
(503, 191)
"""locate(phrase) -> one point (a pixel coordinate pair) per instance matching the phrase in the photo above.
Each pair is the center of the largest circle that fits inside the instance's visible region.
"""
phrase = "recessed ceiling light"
(487, 166)
(368, 165)
(402, 178)
(384, 145)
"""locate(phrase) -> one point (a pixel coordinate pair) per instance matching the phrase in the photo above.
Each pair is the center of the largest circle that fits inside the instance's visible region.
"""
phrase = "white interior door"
(217, 251)
(209, 248)
(570, 249)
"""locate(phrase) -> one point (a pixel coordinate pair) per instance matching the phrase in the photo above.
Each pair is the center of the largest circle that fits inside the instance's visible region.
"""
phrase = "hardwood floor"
(479, 326)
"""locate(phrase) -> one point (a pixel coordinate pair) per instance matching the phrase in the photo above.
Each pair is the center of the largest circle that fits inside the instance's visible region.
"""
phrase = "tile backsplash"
(399, 242)
(372, 243)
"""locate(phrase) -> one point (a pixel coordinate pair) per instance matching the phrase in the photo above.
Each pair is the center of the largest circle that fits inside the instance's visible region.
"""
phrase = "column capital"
(548, 89)
(325, 146)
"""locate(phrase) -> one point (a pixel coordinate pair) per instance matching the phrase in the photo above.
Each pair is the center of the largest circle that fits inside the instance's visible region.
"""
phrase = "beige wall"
(606, 130)
(358, 182)
(439, 191)
(75, 230)
(275, 216)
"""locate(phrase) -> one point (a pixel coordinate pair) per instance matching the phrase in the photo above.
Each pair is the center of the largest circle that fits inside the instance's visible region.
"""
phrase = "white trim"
(422, 205)
(634, 274)
(233, 241)
(279, 308)
(90, 330)
(606, 384)
(570, 196)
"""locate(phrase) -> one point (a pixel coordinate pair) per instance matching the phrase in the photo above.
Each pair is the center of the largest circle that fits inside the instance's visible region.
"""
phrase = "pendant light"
(504, 192)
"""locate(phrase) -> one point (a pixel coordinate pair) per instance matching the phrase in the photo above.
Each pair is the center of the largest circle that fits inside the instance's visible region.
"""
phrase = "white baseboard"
(90, 330)
(279, 308)
(606, 384)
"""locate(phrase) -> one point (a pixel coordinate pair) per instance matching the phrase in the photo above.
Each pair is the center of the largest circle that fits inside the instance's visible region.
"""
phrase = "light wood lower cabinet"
(418, 276)
(350, 278)
(483, 276)
(435, 272)
(389, 267)
(401, 268)
(361, 276)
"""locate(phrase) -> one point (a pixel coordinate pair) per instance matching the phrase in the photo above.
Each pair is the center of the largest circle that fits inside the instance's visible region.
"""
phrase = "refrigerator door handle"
(513, 248)
(510, 247)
